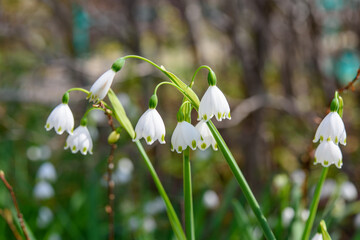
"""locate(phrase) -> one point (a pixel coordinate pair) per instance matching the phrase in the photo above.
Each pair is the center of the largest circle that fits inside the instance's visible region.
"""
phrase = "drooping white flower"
(47, 172)
(332, 127)
(207, 138)
(328, 153)
(287, 216)
(214, 103)
(211, 199)
(101, 86)
(45, 217)
(43, 190)
(151, 127)
(61, 119)
(348, 191)
(80, 141)
(183, 136)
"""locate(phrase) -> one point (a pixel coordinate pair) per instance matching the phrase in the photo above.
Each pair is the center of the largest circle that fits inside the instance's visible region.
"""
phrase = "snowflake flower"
(80, 141)
(328, 153)
(61, 119)
(151, 127)
(101, 86)
(207, 138)
(183, 136)
(332, 127)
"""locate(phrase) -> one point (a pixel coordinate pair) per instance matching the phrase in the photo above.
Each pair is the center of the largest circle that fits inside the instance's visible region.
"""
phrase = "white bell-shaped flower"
(214, 103)
(332, 127)
(151, 127)
(47, 172)
(101, 86)
(61, 119)
(43, 190)
(328, 153)
(80, 141)
(183, 136)
(207, 138)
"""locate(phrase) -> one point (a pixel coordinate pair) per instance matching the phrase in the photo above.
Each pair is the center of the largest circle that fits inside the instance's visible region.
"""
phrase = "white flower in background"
(46, 172)
(149, 224)
(151, 127)
(304, 214)
(101, 86)
(328, 189)
(183, 136)
(214, 103)
(348, 191)
(207, 138)
(357, 221)
(211, 199)
(154, 206)
(61, 119)
(287, 216)
(45, 217)
(331, 128)
(317, 236)
(54, 236)
(328, 153)
(43, 190)
(80, 141)
(298, 176)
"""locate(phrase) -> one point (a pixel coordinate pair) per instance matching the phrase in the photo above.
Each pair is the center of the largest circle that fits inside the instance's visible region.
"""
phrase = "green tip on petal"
(66, 144)
(148, 139)
(203, 145)
(180, 148)
(48, 125)
(171, 147)
(74, 148)
(321, 138)
(219, 115)
(328, 139)
(326, 163)
(339, 163)
(163, 138)
(204, 117)
(315, 160)
(59, 129)
(193, 143)
(84, 150)
(336, 140)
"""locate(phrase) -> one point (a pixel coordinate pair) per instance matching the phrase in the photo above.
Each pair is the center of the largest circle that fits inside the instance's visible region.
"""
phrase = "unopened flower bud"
(113, 137)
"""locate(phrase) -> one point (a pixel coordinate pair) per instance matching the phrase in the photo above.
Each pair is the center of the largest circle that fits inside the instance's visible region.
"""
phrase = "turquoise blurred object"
(81, 24)
(346, 67)
(332, 5)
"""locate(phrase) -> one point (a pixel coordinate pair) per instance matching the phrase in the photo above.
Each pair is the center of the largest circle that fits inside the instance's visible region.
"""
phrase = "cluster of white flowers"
(330, 132)
(62, 119)
(151, 126)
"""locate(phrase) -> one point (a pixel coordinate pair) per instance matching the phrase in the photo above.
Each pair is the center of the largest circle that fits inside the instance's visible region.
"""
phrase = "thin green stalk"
(242, 182)
(314, 204)
(189, 213)
(174, 220)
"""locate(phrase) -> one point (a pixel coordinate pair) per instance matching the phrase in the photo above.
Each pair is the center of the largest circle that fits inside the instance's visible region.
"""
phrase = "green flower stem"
(189, 213)
(242, 182)
(174, 220)
(78, 89)
(314, 204)
(168, 83)
(197, 70)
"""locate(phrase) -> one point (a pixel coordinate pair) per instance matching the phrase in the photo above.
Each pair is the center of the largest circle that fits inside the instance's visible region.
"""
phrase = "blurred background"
(277, 61)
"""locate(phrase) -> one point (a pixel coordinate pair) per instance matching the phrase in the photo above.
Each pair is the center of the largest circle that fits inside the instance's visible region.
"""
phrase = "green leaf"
(120, 114)
(324, 232)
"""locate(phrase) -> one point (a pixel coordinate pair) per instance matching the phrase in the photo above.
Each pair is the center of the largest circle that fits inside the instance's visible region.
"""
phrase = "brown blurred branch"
(350, 85)
(19, 214)
(110, 167)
